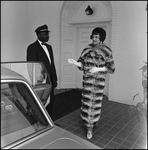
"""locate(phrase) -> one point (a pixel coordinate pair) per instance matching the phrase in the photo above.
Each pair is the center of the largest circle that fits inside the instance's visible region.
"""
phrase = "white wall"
(130, 50)
(14, 30)
(19, 19)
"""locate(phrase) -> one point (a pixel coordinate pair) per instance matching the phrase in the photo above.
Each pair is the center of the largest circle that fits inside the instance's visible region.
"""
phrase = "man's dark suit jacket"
(36, 53)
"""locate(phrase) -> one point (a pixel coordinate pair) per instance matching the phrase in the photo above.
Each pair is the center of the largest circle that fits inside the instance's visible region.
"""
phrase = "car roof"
(9, 74)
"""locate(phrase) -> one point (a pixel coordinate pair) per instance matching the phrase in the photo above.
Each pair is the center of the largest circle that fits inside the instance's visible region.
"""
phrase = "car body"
(25, 123)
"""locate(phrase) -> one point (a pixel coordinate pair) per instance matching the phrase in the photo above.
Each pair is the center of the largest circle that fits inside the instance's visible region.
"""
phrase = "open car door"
(36, 74)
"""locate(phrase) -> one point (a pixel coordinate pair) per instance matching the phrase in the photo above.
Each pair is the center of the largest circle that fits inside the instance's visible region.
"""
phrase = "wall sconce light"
(88, 10)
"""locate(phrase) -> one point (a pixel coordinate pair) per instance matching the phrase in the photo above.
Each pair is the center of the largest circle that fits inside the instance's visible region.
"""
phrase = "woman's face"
(96, 39)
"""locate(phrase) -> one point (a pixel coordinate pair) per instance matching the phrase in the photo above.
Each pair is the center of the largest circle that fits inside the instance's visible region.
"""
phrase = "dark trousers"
(49, 107)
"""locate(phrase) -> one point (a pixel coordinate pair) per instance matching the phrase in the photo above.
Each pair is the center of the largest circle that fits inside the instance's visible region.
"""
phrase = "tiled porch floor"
(115, 130)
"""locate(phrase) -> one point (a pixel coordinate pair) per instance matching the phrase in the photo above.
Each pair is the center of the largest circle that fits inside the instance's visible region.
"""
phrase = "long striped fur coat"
(93, 84)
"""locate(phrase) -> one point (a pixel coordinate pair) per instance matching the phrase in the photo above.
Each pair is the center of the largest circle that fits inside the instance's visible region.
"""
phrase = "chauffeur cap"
(43, 28)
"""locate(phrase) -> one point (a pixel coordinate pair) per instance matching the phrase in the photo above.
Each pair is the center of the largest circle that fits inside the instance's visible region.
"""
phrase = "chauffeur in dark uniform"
(41, 51)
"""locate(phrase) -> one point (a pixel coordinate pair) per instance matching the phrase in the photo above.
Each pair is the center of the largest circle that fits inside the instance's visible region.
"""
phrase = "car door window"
(20, 113)
(37, 76)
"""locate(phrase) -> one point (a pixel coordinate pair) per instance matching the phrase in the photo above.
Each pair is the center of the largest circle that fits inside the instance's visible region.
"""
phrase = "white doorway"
(73, 22)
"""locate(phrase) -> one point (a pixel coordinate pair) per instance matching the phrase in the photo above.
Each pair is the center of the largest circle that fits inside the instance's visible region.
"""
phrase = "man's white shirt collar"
(45, 49)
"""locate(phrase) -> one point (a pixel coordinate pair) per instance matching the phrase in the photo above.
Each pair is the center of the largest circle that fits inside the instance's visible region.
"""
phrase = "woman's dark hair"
(99, 31)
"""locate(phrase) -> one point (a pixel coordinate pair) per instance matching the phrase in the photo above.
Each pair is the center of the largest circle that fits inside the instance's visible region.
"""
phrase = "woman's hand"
(72, 61)
(96, 69)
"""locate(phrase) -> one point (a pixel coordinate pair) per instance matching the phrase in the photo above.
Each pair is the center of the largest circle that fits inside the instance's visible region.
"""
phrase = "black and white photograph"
(73, 74)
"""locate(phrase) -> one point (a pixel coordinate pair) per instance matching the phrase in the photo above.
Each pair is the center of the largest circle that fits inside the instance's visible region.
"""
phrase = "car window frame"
(39, 88)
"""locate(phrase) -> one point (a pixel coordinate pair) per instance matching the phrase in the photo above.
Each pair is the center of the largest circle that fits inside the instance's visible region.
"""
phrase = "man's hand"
(55, 84)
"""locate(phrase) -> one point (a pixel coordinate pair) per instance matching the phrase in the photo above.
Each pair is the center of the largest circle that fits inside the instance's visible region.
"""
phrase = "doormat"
(66, 102)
